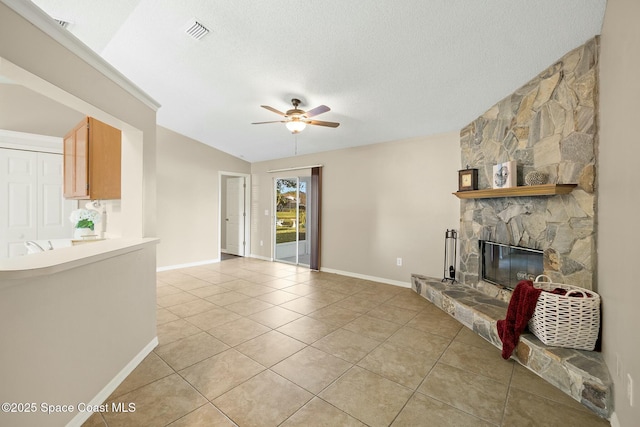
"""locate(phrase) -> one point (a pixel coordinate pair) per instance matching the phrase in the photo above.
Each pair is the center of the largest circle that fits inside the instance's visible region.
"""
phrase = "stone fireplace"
(548, 125)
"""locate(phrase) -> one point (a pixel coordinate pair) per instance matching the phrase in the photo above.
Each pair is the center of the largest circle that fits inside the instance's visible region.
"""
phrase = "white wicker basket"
(563, 320)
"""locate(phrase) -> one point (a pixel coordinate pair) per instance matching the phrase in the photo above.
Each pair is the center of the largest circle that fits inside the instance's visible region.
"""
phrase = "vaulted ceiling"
(389, 70)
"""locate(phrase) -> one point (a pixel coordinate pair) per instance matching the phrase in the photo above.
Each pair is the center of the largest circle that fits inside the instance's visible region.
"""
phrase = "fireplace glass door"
(506, 265)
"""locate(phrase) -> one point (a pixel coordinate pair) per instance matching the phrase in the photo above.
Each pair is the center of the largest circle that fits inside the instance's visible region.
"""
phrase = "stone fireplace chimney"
(548, 125)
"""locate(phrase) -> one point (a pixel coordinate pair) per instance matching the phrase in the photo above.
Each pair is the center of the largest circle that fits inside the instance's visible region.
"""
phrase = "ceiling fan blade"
(318, 110)
(321, 123)
(273, 109)
(274, 121)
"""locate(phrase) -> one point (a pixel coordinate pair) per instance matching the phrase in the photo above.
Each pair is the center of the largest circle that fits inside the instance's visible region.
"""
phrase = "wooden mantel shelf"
(520, 191)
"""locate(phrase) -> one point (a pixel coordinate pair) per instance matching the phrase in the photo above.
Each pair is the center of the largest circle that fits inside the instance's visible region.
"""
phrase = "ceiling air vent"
(196, 30)
(62, 22)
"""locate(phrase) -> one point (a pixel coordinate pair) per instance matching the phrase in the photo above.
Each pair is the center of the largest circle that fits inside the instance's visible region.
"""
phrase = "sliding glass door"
(292, 241)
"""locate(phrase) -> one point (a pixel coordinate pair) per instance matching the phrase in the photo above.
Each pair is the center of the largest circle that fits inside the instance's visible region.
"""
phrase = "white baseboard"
(350, 274)
(615, 422)
(189, 264)
(365, 277)
(264, 258)
(328, 270)
(81, 417)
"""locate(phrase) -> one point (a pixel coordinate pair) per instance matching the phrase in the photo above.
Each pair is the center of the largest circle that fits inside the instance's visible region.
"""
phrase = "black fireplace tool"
(450, 254)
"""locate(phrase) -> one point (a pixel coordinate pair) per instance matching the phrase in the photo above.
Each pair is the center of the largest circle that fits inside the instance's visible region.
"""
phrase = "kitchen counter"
(57, 260)
(81, 315)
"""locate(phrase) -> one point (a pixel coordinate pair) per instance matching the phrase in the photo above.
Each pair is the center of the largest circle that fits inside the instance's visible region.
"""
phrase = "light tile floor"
(253, 343)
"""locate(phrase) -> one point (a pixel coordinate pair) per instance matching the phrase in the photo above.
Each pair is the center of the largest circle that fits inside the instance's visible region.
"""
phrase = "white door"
(235, 215)
(53, 209)
(32, 206)
(19, 196)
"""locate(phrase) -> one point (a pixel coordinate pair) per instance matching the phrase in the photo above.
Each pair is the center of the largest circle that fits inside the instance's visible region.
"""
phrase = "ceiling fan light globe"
(296, 126)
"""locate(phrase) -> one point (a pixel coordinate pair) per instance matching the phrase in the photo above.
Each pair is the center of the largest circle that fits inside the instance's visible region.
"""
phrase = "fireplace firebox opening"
(506, 265)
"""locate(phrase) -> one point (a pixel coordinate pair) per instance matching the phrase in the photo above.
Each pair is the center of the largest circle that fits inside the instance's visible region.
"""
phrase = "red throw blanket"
(521, 307)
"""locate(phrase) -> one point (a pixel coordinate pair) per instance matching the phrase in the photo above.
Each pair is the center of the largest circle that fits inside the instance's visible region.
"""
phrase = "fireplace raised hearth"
(583, 375)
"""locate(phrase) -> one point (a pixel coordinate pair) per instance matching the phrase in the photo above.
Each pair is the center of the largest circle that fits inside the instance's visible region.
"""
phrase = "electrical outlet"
(630, 389)
(399, 262)
(261, 243)
(266, 212)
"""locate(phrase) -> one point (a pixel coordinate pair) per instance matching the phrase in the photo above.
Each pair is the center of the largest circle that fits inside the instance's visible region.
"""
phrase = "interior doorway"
(293, 213)
(234, 215)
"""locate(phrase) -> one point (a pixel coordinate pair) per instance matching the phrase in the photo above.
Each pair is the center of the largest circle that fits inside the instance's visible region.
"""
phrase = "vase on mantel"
(82, 233)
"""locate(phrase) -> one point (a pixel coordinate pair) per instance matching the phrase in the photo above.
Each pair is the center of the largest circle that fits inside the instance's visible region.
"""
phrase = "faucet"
(32, 244)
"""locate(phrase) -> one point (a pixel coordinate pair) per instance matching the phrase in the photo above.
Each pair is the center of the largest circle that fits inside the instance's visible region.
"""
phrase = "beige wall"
(619, 204)
(23, 110)
(188, 205)
(379, 203)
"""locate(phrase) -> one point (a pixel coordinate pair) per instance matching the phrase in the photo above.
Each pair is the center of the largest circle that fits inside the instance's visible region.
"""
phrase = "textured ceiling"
(389, 70)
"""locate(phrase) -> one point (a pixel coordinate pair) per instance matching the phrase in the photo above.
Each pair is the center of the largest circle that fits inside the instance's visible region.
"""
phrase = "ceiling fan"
(296, 120)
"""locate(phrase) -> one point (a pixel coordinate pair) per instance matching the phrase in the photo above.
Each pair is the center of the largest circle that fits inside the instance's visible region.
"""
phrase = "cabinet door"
(81, 181)
(76, 162)
(105, 152)
(69, 165)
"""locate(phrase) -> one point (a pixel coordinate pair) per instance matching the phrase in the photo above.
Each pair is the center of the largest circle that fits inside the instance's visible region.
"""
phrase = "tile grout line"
(435, 398)
(368, 312)
(506, 400)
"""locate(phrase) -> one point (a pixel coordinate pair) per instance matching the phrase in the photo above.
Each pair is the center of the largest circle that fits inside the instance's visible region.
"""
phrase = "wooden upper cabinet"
(92, 161)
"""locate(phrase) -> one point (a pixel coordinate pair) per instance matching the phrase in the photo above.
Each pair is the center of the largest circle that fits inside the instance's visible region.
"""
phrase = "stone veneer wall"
(550, 125)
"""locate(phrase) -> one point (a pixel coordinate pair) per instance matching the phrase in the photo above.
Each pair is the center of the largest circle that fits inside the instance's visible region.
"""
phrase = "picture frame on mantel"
(505, 175)
(467, 179)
